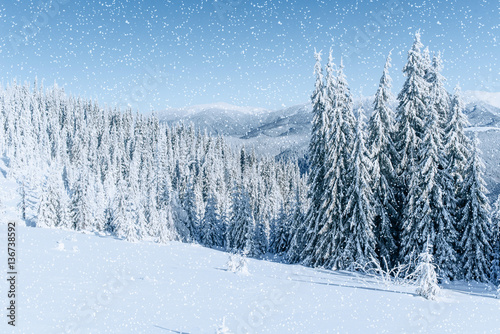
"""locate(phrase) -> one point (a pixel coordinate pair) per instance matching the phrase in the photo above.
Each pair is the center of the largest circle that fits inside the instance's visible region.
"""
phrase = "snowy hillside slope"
(82, 283)
(70, 282)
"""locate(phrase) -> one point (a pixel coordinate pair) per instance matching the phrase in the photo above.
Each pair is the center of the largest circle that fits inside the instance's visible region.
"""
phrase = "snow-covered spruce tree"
(411, 113)
(242, 226)
(135, 220)
(150, 205)
(447, 238)
(99, 207)
(165, 191)
(180, 218)
(52, 209)
(125, 219)
(439, 100)
(495, 232)
(297, 230)
(80, 210)
(442, 195)
(437, 92)
(47, 207)
(260, 243)
(360, 239)
(411, 117)
(383, 152)
(281, 236)
(458, 145)
(475, 222)
(166, 227)
(458, 151)
(108, 217)
(323, 236)
(130, 224)
(430, 217)
(317, 157)
(190, 206)
(341, 137)
(427, 65)
(210, 228)
(118, 208)
(425, 274)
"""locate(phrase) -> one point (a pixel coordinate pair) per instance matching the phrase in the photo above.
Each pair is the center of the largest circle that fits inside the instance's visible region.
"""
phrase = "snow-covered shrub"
(425, 275)
(395, 275)
(223, 329)
(237, 263)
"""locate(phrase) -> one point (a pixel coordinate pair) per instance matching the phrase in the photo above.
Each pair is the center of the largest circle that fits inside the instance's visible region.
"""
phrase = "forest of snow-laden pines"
(377, 193)
(82, 167)
(407, 183)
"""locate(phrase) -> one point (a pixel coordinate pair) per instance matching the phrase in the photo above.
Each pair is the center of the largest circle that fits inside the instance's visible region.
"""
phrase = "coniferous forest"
(378, 191)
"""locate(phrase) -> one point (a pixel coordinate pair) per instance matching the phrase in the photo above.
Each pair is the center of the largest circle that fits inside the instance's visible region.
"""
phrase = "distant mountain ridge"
(217, 118)
(285, 132)
(491, 98)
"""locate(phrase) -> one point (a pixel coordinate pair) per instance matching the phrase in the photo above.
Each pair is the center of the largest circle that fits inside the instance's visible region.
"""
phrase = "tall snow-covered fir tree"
(190, 205)
(48, 206)
(53, 205)
(338, 176)
(475, 222)
(358, 234)
(118, 208)
(210, 229)
(411, 119)
(437, 92)
(261, 239)
(297, 230)
(326, 246)
(431, 218)
(458, 145)
(80, 211)
(166, 227)
(439, 103)
(317, 157)
(130, 230)
(280, 242)
(458, 152)
(241, 229)
(383, 152)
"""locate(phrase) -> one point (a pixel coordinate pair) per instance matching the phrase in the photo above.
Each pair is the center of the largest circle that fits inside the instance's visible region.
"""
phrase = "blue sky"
(159, 54)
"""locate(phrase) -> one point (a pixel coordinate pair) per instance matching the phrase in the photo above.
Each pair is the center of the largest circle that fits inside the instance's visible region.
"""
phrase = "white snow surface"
(99, 284)
(72, 282)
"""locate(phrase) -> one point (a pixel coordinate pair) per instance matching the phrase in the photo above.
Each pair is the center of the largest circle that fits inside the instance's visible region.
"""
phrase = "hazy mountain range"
(286, 132)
